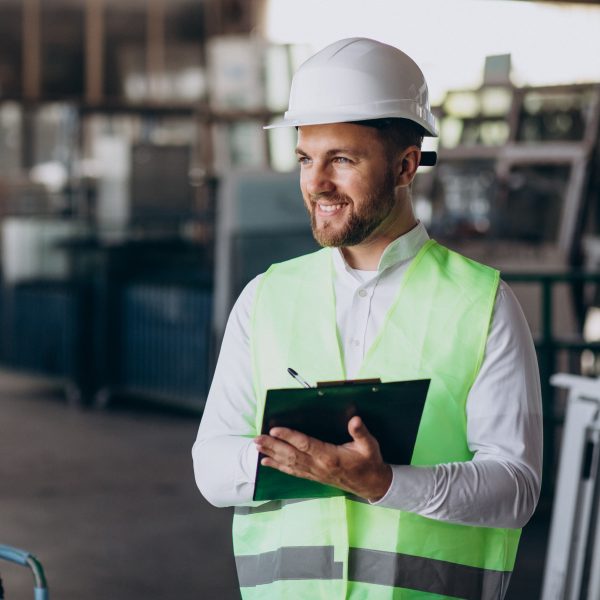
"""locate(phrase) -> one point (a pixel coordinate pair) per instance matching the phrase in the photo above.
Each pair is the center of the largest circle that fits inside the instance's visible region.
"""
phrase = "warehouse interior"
(139, 194)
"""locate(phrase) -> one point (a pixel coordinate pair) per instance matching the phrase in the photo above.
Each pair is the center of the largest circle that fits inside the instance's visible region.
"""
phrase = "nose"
(317, 180)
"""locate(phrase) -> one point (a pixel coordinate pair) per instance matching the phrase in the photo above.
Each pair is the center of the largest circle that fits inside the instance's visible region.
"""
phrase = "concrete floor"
(107, 502)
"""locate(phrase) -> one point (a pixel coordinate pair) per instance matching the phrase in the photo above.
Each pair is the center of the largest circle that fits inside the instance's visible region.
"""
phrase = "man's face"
(346, 181)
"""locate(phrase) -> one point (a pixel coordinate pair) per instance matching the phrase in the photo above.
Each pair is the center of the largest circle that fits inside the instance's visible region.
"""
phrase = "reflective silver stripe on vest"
(270, 506)
(426, 575)
(294, 562)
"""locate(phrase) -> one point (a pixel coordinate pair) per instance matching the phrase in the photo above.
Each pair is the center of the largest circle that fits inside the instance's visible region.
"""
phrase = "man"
(380, 300)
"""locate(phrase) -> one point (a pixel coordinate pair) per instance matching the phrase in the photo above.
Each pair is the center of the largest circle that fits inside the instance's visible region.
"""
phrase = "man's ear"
(407, 163)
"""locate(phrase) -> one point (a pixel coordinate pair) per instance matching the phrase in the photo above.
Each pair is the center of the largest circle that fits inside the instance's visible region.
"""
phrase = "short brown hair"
(397, 134)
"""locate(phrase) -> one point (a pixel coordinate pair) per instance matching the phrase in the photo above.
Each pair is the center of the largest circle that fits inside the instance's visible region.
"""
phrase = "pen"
(297, 377)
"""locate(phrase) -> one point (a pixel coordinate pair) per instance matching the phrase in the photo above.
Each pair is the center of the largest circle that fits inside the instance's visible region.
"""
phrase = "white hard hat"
(358, 79)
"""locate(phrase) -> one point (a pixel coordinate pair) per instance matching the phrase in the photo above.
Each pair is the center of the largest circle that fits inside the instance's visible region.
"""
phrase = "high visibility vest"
(343, 547)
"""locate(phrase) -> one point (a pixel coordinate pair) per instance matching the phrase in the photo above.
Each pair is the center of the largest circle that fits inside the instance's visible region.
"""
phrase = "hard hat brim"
(429, 127)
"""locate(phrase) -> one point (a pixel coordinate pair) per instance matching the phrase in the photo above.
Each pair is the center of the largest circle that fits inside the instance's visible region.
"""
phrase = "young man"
(380, 300)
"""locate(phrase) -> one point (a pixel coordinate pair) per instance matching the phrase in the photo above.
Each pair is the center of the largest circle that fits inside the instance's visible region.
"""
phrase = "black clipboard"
(391, 411)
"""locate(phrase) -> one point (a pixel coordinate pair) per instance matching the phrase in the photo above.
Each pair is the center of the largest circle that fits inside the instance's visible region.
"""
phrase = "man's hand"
(356, 467)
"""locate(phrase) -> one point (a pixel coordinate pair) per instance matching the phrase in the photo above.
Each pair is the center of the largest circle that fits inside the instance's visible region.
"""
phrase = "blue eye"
(342, 160)
(303, 160)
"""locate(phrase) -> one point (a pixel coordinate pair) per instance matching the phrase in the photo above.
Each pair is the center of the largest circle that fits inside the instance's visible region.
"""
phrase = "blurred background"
(139, 194)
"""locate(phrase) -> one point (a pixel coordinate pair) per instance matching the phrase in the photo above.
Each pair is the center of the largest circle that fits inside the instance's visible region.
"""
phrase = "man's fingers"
(277, 449)
(294, 438)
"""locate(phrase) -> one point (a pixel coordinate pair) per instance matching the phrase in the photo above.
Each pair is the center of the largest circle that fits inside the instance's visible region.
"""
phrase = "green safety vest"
(343, 547)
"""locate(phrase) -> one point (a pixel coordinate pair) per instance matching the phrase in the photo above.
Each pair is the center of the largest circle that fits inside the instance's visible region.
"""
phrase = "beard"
(360, 224)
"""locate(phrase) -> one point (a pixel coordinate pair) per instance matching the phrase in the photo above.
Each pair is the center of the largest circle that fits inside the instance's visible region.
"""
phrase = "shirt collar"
(400, 250)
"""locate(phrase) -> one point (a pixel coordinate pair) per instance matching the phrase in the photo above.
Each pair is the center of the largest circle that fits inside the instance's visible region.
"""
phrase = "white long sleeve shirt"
(499, 487)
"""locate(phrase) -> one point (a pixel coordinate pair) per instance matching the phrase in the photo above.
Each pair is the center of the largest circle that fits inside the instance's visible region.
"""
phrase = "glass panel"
(55, 143)
(462, 104)
(496, 101)
(471, 132)
(282, 142)
(485, 132)
(62, 50)
(138, 170)
(10, 49)
(278, 77)
(184, 79)
(10, 139)
(476, 118)
(548, 115)
(160, 186)
(235, 72)
(462, 198)
(125, 58)
(55, 137)
(469, 202)
(185, 76)
(239, 144)
(531, 207)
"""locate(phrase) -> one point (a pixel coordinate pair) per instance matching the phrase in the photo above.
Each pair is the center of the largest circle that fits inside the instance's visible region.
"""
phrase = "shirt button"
(362, 293)
(356, 343)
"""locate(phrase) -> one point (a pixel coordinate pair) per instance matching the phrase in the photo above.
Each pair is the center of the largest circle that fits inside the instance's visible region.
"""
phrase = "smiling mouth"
(330, 209)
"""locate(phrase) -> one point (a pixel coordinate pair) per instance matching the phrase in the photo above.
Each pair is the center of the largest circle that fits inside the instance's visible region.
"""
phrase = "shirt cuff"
(247, 463)
(246, 476)
(410, 490)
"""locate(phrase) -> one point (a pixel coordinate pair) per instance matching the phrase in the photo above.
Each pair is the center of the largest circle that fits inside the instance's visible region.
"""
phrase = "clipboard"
(391, 411)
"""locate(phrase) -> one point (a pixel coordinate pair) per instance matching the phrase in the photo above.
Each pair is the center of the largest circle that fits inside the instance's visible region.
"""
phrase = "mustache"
(334, 197)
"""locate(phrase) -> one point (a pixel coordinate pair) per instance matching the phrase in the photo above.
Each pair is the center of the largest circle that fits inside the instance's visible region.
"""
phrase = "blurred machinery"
(260, 220)
(106, 279)
(139, 195)
(517, 187)
(112, 140)
(573, 559)
(133, 140)
(518, 167)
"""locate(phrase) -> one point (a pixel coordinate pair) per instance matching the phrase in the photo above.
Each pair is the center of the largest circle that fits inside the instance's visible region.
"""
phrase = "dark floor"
(107, 502)
(526, 583)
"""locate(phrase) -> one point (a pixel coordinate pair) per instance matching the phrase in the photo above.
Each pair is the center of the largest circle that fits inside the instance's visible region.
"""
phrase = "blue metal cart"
(26, 559)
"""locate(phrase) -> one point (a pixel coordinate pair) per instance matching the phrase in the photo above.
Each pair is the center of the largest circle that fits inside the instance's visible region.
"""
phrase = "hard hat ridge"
(358, 79)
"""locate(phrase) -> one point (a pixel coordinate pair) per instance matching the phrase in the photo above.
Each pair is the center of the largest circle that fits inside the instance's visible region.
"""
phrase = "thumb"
(359, 432)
